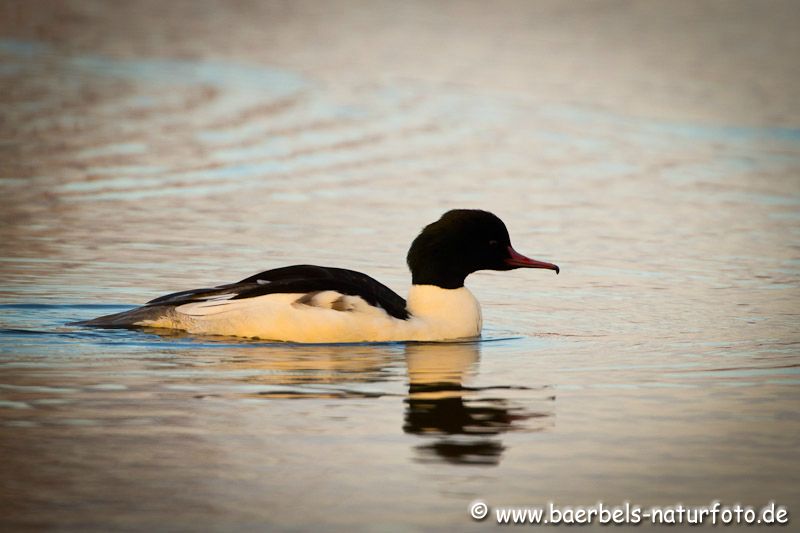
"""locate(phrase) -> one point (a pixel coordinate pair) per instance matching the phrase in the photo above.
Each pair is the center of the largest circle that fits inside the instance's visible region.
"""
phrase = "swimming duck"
(315, 304)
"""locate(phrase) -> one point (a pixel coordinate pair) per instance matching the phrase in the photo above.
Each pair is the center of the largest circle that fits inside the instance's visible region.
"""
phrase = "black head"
(460, 243)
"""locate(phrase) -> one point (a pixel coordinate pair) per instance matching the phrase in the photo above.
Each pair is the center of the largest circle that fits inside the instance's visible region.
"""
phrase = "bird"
(317, 304)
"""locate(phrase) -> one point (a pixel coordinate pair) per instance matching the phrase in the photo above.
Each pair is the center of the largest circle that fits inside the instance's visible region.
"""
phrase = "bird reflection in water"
(460, 424)
(465, 423)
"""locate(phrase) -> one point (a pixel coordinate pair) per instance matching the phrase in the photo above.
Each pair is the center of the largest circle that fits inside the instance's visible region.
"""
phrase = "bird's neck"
(455, 310)
(444, 274)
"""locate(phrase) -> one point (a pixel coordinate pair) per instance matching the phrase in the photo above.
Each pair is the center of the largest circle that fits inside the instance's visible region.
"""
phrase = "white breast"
(444, 314)
(436, 314)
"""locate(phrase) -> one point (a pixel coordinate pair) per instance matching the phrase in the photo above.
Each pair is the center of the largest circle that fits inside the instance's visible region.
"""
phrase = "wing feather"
(297, 279)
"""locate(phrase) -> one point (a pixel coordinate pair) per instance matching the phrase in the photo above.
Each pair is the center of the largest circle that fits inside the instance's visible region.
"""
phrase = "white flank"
(436, 314)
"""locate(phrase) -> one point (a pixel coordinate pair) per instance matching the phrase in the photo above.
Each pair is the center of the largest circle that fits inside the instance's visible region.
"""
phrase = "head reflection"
(457, 422)
(464, 423)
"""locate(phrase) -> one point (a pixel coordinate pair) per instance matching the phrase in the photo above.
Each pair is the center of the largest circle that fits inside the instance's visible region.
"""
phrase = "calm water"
(661, 366)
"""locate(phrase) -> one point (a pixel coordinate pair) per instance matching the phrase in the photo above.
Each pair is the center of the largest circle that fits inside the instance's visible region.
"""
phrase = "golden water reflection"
(456, 421)
(466, 423)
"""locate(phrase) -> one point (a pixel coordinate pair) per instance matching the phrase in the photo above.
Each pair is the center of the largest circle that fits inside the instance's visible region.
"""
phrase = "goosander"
(315, 304)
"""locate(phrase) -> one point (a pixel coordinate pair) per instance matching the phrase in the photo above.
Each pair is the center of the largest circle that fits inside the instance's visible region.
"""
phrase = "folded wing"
(309, 280)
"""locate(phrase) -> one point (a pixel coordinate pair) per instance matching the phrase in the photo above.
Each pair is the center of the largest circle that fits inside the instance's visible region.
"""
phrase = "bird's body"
(313, 304)
(328, 316)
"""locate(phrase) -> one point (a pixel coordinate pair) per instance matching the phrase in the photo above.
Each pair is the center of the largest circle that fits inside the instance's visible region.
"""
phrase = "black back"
(299, 279)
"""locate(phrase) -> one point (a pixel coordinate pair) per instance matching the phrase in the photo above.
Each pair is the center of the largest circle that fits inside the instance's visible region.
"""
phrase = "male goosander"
(314, 304)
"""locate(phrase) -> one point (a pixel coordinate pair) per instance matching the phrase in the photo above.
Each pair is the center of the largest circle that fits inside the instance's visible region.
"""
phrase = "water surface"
(660, 367)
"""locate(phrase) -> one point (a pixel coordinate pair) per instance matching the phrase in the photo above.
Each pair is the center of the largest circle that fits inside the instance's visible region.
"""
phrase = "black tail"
(127, 319)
